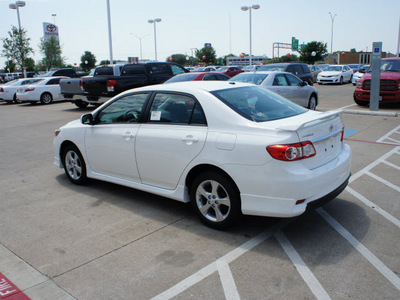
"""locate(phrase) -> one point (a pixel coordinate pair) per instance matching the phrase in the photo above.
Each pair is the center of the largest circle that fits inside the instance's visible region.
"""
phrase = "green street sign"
(295, 44)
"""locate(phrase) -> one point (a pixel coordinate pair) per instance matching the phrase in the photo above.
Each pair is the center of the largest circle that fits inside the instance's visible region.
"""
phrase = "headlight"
(359, 84)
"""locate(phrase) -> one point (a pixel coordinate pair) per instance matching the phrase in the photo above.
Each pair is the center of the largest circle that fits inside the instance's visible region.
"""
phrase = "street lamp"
(16, 6)
(154, 21)
(333, 19)
(109, 32)
(249, 8)
(140, 41)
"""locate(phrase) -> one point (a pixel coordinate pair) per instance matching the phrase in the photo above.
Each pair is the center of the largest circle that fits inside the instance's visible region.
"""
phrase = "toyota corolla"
(229, 148)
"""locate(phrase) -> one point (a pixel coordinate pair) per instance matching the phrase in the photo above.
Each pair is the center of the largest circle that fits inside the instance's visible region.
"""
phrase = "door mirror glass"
(87, 119)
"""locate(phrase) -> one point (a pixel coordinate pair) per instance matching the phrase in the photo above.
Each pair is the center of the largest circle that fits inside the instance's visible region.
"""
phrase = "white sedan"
(45, 91)
(8, 91)
(335, 74)
(283, 83)
(228, 148)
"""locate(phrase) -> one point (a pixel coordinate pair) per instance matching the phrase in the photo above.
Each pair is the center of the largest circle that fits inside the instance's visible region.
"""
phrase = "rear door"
(298, 91)
(172, 137)
(158, 72)
(281, 86)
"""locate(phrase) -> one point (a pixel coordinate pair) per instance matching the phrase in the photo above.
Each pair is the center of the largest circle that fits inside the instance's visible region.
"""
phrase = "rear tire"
(312, 103)
(341, 80)
(74, 165)
(46, 98)
(81, 104)
(215, 199)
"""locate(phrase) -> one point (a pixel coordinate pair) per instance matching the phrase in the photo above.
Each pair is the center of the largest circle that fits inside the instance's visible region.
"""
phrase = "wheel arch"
(203, 168)
(316, 97)
(64, 145)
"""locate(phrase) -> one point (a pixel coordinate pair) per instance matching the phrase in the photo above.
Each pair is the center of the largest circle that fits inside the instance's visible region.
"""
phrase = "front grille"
(386, 85)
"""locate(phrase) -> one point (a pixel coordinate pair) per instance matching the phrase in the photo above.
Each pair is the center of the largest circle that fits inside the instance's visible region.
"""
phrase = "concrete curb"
(371, 113)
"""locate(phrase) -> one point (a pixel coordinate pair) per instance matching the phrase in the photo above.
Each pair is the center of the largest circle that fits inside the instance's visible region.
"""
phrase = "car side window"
(293, 81)
(305, 69)
(280, 80)
(177, 69)
(158, 68)
(53, 81)
(124, 110)
(176, 109)
(209, 77)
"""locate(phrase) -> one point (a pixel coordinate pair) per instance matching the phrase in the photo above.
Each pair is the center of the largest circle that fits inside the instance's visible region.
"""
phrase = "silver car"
(283, 83)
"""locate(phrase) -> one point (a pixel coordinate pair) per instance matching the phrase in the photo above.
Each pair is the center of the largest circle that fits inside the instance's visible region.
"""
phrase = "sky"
(188, 24)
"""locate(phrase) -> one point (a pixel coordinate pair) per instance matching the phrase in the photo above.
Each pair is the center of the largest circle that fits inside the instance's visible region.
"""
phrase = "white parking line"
(374, 206)
(308, 277)
(379, 265)
(227, 280)
(385, 182)
(395, 130)
(391, 165)
(213, 267)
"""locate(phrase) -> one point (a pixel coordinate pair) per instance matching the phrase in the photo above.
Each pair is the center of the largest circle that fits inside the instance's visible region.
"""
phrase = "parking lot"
(104, 241)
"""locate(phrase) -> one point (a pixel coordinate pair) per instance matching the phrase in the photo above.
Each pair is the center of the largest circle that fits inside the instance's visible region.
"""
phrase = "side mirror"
(304, 83)
(87, 119)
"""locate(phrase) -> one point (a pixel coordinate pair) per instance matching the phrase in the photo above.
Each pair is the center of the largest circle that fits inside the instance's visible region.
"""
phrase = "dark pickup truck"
(132, 76)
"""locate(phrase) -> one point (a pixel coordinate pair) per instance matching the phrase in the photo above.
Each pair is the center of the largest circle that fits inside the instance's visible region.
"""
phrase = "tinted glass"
(257, 104)
(158, 69)
(177, 69)
(182, 77)
(272, 67)
(123, 110)
(293, 80)
(175, 108)
(134, 70)
(280, 80)
(103, 71)
(250, 78)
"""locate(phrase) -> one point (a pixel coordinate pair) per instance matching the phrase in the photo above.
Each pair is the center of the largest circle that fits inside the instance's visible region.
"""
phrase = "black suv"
(299, 69)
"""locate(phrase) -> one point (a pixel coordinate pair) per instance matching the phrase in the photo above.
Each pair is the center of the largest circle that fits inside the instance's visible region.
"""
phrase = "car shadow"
(310, 234)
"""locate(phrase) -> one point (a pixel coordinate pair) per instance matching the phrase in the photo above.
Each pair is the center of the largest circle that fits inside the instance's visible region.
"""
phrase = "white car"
(8, 91)
(335, 74)
(283, 83)
(360, 73)
(227, 147)
(45, 91)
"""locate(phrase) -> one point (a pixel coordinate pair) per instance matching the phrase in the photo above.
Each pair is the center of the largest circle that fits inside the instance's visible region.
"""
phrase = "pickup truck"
(132, 75)
(389, 84)
(72, 88)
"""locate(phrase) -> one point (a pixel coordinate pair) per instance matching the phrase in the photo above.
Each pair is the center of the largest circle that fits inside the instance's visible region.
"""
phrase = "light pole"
(154, 21)
(249, 8)
(140, 41)
(54, 18)
(109, 32)
(333, 19)
(16, 6)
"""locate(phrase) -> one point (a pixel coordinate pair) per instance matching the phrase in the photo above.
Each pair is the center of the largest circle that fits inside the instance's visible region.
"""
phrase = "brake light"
(29, 89)
(292, 152)
(1, 90)
(81, 83)
(111, 83)
(342, 136)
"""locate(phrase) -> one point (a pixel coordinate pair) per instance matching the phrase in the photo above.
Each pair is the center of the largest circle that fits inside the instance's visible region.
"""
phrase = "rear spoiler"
(325, 116)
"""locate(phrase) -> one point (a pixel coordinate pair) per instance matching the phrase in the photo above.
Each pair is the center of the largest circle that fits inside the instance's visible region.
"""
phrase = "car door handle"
(127, 136)
(190, 140)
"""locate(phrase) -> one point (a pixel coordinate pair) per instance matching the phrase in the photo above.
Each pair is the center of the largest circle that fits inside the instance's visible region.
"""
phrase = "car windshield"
(334, 68)
(258, 104)
(48, 74)
(323, 67)
(182, 77)
(250, 78)
(272, 68)
(223, 69)
(389, 66)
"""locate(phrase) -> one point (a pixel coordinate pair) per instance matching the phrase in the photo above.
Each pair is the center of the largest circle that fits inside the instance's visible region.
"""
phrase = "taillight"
(110, 85)
(291, 152)
(81, 83)
(342, 136)
(1, 90)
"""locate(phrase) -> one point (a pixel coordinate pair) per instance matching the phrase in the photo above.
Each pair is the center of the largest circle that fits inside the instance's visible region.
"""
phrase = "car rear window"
(250, 78)
(272, 67)
(183, 77)
(134, 70)
(104, 71)
(257, 104)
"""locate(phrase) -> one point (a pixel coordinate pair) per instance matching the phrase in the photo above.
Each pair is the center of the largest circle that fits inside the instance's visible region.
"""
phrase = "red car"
(389, 85)
(193, 76)
(230, 71)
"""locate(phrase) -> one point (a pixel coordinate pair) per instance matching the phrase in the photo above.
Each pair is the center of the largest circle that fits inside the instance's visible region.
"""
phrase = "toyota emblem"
(51, 28)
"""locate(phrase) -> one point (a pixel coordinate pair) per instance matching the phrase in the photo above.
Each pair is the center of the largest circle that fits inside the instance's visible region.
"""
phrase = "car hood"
(329, 73)
(385, 75)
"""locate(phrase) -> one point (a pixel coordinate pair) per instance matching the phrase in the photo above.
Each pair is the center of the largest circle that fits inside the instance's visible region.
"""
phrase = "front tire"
(46, 98)
(74, 165)
(215, 199)
(341, 81)
(81, 104)
(312, 102)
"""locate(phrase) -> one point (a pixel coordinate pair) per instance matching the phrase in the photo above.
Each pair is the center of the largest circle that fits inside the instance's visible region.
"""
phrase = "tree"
(207, 55)
(29, 64)
(88, 61)
(51, 50)
(288, 58)
(16, 46)
(105, 62)
(179, 59)
(312, 52)
(353, 50)
(10, 66)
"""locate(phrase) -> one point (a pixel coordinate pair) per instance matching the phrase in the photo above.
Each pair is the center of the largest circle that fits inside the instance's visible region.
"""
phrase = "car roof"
(193, 86)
